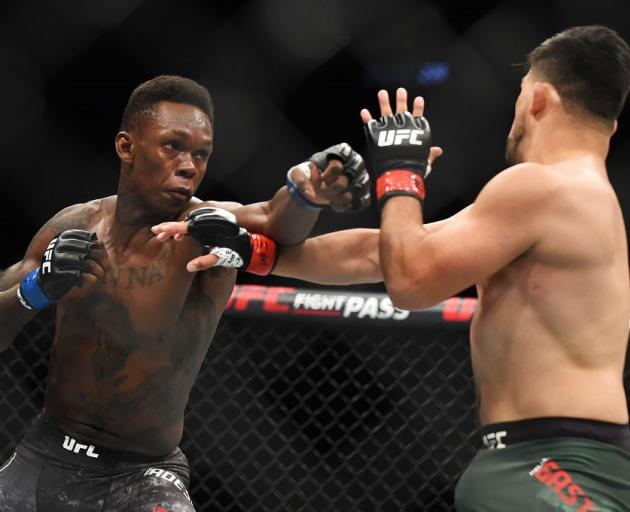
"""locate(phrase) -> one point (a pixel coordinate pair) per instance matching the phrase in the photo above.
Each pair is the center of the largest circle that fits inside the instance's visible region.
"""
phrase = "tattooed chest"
(116, 341)
(138, 274)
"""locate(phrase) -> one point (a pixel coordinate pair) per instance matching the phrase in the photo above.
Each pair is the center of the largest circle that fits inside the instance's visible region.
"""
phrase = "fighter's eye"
(202, 154)
(174, 145)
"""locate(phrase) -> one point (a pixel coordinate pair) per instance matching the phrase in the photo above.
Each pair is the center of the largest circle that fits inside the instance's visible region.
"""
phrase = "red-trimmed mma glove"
(398, 154)
(61, 268)
(217, 230)
(353, 168)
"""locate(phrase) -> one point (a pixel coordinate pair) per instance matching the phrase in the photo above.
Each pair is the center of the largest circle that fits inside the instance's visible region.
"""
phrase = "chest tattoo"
(132, 277)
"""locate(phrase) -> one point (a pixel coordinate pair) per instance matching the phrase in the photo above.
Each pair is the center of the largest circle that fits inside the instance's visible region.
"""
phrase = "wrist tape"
(264, 255)
(30, 293)
(399, 182)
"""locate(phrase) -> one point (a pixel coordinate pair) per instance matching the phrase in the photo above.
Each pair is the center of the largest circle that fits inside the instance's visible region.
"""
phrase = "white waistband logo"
(494, 440)
(72, 445)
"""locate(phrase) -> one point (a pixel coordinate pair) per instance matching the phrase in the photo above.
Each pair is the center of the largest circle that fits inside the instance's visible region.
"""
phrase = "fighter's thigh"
(18, 484)
(149, 490)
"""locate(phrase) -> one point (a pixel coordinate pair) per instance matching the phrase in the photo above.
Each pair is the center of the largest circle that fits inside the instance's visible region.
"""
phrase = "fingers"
(401, 105)
(401, 100)
(418, 106)
(202, 263)
(366, 117)
(383, 103)
(95, 264)
(321, 187)
(341, 202)
(332, 172)
(92, 271)
(333, 186)
(166, 230)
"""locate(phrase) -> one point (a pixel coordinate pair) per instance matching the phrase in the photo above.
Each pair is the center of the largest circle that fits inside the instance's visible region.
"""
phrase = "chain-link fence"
(309, 401)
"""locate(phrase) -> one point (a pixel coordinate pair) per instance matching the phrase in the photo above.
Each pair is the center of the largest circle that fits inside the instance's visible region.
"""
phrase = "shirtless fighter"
(545, 244)
(132, 325)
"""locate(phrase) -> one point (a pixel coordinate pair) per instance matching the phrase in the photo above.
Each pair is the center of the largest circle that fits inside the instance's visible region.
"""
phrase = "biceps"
(473, 248)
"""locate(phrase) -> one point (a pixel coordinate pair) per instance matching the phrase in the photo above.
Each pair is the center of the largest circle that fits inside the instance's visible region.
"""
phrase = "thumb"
(301, 176)
(434, 153)
(202, 263)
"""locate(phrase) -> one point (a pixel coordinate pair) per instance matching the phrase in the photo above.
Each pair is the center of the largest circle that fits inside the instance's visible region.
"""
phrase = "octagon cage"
(308, 400)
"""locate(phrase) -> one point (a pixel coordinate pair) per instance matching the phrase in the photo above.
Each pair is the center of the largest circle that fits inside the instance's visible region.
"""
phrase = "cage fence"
(308, 401)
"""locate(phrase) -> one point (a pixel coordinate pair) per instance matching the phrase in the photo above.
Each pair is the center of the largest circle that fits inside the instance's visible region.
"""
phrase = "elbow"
(410, 294)
(404, 299)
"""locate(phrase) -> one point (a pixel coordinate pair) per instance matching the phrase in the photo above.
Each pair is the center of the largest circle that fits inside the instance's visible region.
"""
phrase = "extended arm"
(280, 218)
(343, 257)
(334, 178)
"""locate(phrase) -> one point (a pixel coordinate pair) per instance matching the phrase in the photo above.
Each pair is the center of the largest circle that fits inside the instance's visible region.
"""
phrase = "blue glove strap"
(299, 198)
(30, 293)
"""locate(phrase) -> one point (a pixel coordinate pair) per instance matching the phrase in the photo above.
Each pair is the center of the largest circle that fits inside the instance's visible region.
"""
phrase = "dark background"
(287, 77)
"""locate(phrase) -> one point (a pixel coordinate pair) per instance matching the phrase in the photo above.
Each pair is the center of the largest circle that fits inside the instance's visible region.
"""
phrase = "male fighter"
(545, 244)
(132, 325)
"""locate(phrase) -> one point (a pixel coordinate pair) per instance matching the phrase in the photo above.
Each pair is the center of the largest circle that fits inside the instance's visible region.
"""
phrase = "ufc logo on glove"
(397, 137)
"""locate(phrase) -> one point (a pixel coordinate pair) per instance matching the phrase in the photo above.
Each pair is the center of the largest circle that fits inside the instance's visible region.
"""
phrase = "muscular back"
(127, 350)
(550, 333)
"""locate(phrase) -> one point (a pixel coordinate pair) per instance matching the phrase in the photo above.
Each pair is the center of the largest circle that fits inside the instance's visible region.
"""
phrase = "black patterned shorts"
(50, 471)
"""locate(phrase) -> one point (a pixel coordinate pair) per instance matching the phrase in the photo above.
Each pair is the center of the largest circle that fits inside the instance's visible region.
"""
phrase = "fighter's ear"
(539, 99)
(124, 147)
(614, 128)
(544, 95)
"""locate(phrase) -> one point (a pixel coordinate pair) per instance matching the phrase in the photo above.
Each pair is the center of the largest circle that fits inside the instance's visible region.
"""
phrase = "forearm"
(401, 252)
(340, 258)
(287, 222)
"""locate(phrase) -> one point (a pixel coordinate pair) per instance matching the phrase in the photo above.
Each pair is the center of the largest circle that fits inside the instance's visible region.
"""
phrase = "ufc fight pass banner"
(342, 306)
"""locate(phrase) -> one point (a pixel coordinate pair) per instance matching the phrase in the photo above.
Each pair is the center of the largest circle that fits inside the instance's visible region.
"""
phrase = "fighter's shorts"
(559, 464)
(52, 472)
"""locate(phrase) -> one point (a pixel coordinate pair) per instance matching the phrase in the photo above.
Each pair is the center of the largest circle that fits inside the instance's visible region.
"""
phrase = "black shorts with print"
(54, 472)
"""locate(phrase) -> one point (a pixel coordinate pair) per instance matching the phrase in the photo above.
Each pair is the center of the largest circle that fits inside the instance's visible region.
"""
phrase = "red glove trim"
(264, 255)
(400, 180)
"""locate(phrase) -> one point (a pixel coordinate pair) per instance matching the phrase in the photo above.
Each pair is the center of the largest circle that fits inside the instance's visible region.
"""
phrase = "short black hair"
(589, 66)
(173, 88)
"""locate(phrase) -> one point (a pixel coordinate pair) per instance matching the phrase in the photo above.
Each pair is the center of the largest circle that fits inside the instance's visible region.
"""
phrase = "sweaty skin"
(126, 353)
(130, 340)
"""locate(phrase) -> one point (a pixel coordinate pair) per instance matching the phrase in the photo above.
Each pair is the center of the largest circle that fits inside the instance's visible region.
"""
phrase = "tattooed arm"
(13, 315)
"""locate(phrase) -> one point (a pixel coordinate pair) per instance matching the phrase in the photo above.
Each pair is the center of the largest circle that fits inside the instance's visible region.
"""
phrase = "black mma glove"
(398, 154)
(353, 168)
(217, 230)
(61, 268)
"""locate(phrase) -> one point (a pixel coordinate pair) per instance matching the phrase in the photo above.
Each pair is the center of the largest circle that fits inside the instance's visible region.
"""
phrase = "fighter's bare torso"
(550, 332)
(127, 350)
